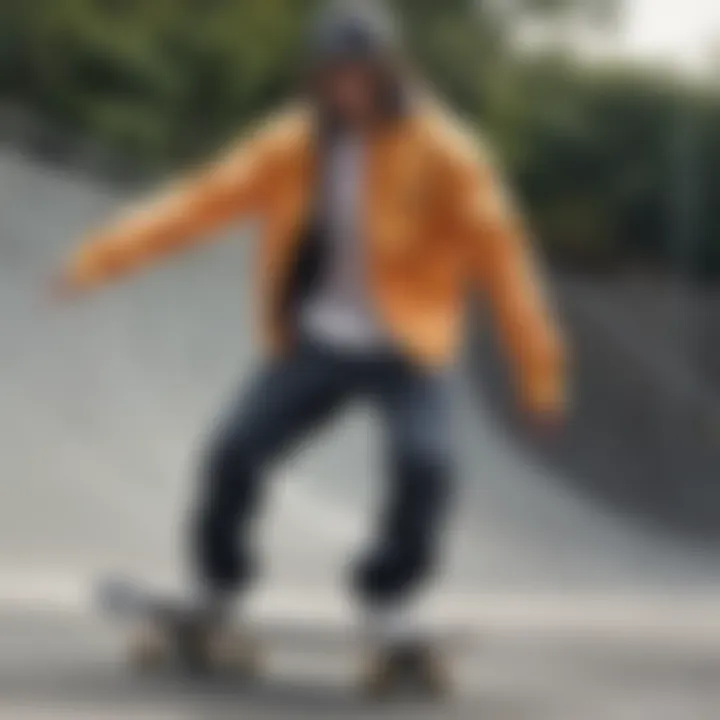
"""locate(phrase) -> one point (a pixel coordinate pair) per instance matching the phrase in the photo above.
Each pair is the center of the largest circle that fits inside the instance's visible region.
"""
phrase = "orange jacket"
(436, 220)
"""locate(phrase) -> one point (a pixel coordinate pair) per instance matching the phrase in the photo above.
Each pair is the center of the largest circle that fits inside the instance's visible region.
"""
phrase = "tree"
(167, 81)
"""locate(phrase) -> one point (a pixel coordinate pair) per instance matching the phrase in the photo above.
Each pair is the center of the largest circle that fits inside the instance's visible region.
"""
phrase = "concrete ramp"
(104, 406)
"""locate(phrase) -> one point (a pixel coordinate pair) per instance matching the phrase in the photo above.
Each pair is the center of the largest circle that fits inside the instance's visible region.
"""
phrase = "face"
(350, 92)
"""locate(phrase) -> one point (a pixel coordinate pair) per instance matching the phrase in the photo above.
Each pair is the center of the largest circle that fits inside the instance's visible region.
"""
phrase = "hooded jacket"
(437, 222)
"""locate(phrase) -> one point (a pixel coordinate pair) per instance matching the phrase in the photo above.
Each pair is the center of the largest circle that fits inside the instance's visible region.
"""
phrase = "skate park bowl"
(590, 563)
(644, 438)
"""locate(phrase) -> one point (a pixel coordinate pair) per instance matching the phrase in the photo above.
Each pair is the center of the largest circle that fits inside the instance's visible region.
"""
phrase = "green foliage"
(165, 81)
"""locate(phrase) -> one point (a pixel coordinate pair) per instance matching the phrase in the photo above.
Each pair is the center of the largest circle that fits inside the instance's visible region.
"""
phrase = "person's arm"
(181, 217)
(502, 263)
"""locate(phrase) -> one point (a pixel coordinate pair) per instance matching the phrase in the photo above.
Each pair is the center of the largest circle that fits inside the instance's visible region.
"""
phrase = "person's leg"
(415, 405)
(285, 401)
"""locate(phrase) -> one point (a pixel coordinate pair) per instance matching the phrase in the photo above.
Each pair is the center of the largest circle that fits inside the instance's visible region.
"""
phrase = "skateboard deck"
(160, 637)
(162, 634)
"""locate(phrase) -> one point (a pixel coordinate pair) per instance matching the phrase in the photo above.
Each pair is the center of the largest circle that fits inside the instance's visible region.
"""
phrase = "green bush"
(167, 81)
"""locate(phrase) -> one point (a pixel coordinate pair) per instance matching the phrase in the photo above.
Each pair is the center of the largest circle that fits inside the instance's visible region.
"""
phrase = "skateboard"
(162, 635)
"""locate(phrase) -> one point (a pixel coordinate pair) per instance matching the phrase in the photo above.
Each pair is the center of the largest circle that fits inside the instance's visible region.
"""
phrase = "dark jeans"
(288, 399)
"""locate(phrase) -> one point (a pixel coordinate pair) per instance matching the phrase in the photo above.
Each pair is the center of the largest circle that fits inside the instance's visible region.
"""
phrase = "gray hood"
(365, 32)
(353, 31)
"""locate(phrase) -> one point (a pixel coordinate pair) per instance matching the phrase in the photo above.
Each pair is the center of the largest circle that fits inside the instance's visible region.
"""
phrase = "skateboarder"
(379, 211)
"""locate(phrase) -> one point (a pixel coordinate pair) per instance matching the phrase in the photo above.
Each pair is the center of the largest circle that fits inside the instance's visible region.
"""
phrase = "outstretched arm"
(179, 218)
(502, 262)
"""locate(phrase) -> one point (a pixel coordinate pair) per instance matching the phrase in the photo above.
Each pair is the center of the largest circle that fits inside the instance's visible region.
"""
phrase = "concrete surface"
(104, 406)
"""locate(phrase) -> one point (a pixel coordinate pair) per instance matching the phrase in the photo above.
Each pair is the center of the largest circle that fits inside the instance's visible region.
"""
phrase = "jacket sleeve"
(502, 264)
(180, 217)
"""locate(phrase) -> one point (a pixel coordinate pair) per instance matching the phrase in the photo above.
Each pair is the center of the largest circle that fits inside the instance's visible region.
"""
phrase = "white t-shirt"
(339, 310)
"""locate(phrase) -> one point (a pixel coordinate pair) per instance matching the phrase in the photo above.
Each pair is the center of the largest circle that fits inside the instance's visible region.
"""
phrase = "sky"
(679, 30)
(684, 34)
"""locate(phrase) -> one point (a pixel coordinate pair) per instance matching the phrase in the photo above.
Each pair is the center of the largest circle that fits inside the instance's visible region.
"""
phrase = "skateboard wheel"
(148, 649)
(378, 681)
(434, 680)
(232, 652)
(418, 671)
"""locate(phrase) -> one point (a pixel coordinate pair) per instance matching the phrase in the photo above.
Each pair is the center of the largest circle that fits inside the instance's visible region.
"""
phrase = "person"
(380, 212)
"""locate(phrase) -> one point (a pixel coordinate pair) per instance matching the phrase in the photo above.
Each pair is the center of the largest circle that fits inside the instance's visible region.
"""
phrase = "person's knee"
(227, 488)
(231, 454)
(230, 472)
